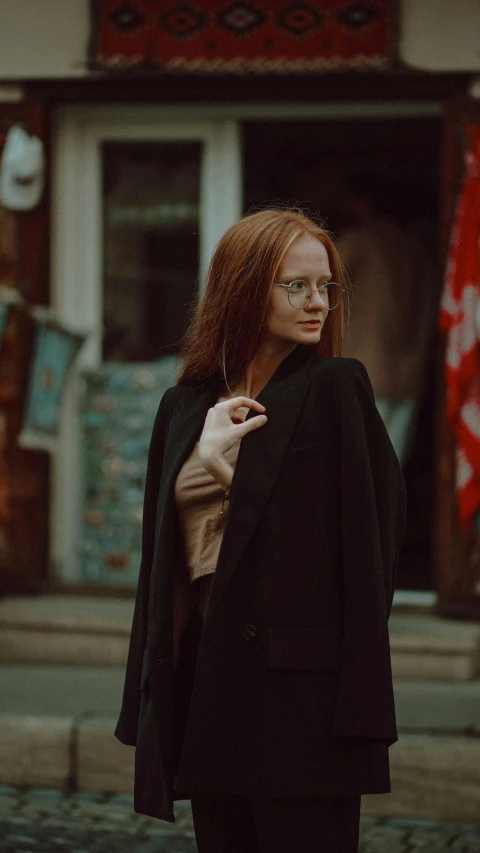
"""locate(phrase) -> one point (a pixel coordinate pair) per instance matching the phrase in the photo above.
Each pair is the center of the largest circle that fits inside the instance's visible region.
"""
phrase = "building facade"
(147, 165)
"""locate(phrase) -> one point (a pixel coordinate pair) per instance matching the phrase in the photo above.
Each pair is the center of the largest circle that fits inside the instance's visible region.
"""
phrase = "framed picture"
(55, 349)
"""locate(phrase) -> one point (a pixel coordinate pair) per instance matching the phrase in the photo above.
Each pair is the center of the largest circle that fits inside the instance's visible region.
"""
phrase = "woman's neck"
(260, 370)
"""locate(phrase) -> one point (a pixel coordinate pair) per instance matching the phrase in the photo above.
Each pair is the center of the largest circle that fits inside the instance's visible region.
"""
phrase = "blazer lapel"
(185, 428)
(258, 464)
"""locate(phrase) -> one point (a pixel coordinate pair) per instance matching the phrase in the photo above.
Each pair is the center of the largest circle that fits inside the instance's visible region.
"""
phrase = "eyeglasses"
(299, 293)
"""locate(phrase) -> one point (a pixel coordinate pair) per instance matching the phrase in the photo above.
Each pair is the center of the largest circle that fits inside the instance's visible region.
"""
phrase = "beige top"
(199, 498)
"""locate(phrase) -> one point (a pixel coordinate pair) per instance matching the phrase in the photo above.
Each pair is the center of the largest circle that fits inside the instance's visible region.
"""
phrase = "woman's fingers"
(235, 408)
(237, 402)
(248, 426)
(223, 428)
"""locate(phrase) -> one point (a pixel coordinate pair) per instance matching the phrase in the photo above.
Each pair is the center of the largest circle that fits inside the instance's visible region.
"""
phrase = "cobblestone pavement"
(49, 821)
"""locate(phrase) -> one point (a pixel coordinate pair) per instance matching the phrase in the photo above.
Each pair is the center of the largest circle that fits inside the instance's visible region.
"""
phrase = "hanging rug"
(259, 36)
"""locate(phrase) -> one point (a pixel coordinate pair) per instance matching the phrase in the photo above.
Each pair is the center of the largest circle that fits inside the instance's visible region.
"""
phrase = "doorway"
(308, 163)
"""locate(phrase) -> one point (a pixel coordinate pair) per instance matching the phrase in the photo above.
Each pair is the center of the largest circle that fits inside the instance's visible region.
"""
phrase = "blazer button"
(250, 632)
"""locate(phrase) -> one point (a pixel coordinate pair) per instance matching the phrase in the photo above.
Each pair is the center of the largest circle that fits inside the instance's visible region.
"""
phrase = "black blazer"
(286, 688)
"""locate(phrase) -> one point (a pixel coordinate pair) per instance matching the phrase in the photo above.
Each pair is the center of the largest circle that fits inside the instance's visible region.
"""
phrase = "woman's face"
(306, 259)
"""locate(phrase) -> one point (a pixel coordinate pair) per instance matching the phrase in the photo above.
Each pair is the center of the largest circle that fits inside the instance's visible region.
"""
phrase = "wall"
(49, 38)
(441, 35)
(43, 38)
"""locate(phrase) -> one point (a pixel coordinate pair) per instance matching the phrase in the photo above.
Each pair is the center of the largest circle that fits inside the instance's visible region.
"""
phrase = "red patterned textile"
(460, 319)
(260, 36)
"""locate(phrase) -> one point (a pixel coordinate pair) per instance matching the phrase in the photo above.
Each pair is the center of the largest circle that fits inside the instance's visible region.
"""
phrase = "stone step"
(430, 647)
(57, 629)
(432, 776)
(95, 631)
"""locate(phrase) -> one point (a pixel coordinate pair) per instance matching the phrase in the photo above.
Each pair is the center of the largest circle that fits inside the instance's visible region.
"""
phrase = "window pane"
(151, 222)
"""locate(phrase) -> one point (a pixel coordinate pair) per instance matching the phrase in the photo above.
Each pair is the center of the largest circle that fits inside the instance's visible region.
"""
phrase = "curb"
(433, 776)
(69, 753)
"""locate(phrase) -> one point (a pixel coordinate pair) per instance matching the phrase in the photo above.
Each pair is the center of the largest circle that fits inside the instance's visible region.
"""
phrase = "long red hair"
(229, 321)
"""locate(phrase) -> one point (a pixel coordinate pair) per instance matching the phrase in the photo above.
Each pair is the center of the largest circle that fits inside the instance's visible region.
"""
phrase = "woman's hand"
(223, 427)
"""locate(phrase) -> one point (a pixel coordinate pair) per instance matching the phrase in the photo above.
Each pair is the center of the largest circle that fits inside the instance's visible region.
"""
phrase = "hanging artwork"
(118, 404)
(55, 349)
(259, 36)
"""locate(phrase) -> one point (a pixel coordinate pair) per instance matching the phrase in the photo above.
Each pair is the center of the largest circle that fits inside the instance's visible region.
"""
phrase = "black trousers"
(235, 823)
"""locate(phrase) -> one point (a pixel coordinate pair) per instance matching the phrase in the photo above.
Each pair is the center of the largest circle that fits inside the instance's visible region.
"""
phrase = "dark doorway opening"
(307, 163)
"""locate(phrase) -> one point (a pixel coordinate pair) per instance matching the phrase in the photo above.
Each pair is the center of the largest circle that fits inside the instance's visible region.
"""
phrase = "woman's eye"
(295, 286)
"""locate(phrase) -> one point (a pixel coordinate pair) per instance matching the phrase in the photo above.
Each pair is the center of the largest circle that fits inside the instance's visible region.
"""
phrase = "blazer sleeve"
(373, 517)
(126, 728)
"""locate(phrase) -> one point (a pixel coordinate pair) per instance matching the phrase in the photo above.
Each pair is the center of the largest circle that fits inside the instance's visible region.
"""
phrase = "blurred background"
(132, 134)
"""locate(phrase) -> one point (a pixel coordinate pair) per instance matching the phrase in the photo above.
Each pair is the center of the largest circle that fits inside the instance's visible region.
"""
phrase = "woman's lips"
(310, 322)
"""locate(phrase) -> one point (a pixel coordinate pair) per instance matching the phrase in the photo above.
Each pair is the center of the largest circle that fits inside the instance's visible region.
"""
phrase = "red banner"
(460, 319)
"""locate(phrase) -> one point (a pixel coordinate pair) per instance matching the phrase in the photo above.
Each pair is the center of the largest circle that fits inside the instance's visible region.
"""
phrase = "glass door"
(151, 224)
(152, 197)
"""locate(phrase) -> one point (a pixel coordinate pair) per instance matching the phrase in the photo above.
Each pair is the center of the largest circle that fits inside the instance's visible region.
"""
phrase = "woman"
(258, 680)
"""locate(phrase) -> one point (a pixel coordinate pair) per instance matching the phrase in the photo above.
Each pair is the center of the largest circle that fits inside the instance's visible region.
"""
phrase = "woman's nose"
(318, 299)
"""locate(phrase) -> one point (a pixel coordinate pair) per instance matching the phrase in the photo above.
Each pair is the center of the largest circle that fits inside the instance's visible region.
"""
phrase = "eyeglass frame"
(288, 286)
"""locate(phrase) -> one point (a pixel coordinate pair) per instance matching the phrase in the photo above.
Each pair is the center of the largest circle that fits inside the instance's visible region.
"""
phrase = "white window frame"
(77, 262)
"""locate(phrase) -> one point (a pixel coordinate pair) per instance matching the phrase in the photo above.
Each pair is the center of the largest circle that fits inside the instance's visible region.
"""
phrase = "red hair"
(230, 319)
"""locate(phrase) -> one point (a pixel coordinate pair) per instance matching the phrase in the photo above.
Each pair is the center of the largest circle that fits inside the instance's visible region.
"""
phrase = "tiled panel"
(119, 404)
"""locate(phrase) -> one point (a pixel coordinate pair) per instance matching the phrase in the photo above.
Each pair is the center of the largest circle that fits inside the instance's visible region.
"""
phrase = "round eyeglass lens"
(334, 293)
(299, 294)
